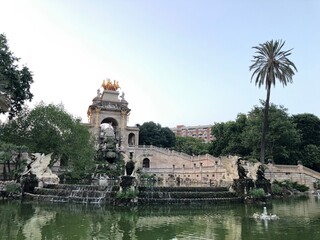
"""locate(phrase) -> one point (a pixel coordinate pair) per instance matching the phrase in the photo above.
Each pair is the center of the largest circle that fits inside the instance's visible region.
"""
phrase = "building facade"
(202, 132)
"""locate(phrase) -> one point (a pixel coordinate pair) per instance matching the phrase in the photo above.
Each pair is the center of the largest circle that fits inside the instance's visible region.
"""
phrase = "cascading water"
(84, 194)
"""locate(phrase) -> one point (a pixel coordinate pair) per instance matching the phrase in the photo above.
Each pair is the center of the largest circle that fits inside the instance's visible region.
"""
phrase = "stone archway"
(113, 122)
(132, 140)
(146, 163)
(110, 120)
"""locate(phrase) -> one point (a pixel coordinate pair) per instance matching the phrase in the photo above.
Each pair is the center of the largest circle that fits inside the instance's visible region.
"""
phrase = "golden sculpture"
(110, 86)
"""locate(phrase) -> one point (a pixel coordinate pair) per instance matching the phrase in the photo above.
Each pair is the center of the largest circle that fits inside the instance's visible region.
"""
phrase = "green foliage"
(113, 170)
(276, 189)
(127, 194)
(228, 137)
(290, 185)
(191, 146)
(289, 139)
(242, 137)
(153, 134)
(14, 83)
(146, 176)
(282, 139)
(12, 188)
(308, 152)
(10, 158)
(310, 155)
(257, 193)
(50, 129)
(309, 127)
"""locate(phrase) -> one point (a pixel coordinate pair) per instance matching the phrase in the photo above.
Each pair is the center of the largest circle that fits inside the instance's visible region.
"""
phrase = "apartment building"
(202, 132)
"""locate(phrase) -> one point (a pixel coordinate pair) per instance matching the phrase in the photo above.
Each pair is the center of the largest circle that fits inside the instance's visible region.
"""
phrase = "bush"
(276, 189)
(300, 187)
(257, 193)
(127, 194)
(12, 188)
(291, 185)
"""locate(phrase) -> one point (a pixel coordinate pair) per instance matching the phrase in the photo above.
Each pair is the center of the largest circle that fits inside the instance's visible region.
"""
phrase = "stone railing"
(299, 173)
(169, 152)
(293, 169)
(311, 172)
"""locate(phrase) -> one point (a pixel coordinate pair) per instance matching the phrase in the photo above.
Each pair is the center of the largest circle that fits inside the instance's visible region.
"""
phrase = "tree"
(309, 127)
(282, 139)
(153, 134)
(228, 137)
(50, 129)
(309, 151)
(191, 146)
(271, 63)
(11, 159)
(14, 83)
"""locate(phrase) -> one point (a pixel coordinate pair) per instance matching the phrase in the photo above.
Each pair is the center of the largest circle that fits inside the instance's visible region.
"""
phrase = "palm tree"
(269, 64)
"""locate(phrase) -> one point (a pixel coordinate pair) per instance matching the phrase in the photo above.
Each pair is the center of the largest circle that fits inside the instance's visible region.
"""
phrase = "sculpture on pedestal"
(38, 167)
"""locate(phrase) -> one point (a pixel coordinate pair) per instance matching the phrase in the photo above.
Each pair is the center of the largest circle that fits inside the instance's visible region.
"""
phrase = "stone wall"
(296, 173)
(204, 169)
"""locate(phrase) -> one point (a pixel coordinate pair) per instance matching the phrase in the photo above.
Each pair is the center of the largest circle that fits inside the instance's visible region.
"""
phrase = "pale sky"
(178, 61)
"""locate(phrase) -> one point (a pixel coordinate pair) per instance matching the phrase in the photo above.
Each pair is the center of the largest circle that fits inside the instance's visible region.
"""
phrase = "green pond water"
(299, 219)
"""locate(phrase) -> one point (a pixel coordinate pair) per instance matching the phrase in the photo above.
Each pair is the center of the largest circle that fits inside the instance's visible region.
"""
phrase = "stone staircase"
(186, 195)
(67, 193)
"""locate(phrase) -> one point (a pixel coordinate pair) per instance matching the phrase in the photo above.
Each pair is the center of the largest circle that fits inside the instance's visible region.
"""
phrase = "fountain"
(265, 216)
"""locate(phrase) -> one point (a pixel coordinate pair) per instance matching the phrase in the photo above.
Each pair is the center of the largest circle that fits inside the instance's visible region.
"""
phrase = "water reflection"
(298, 218)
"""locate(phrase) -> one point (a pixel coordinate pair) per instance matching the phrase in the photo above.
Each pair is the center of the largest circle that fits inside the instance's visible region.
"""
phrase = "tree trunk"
(265, 124)
(4, 171)
(9, 170)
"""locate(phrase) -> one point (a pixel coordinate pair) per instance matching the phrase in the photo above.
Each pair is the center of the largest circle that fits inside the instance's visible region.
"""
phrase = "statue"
(122, 96)
(39, 166)
(110, 86)
(244, 184)
(241, 171)
(106, 150)
(261, 181)
(260, 173)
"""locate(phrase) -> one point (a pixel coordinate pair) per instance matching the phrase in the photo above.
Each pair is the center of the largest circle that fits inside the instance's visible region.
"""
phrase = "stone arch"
(114, 122)
(146, 163)
(131, 139)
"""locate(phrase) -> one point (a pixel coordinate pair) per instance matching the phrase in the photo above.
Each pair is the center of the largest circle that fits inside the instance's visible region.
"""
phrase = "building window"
(131, 139)
(146, 163)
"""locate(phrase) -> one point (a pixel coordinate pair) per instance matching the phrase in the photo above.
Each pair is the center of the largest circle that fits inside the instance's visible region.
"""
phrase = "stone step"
(189, 200)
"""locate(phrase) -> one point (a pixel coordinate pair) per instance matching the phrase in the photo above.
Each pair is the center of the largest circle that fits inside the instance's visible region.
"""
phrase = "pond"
(299, 219)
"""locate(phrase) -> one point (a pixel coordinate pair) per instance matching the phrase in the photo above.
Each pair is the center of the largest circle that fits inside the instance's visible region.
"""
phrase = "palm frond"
(270, 63)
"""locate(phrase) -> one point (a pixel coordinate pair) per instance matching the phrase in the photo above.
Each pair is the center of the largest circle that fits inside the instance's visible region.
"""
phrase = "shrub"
(127, 194)
(12, 188)
(276, 189)
(257, 193)
(294, 185)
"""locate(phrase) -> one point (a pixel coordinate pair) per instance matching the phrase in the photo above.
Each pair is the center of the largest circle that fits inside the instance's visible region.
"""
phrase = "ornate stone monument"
(108, 118)
(38, 166)
(109, 107)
